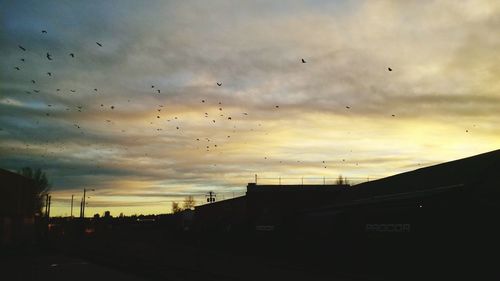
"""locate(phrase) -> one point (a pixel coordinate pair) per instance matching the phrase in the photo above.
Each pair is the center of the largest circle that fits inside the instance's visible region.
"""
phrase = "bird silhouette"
(348, 107)
(95, 90)
(17, 67)
(22, 59)
(21, 47)
(49, 57)
(98, 44)
(49, 73)
(158, 91)
(219, 84)
(33, 81)
(72, 55)
(390, 69)
(303, 61)
(44, 31)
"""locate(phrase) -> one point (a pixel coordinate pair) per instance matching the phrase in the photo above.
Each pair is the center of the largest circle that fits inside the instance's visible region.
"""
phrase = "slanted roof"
(479, 172)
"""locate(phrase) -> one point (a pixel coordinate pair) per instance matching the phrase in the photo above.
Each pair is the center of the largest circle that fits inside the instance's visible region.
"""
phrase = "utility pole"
(46, 204)
(83, 204)
(85, 200)
(72, 205)
(48, 210)
(81, 209)
(211, 197)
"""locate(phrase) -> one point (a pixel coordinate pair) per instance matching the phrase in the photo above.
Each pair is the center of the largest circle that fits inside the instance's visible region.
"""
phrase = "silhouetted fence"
(311, 180)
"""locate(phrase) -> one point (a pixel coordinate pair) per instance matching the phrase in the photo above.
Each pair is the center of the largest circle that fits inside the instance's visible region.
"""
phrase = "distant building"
(264, 207)
(407, 202)
(17, 208)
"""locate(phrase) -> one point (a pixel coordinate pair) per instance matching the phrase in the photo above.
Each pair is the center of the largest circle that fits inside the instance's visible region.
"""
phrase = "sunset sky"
(341, 112)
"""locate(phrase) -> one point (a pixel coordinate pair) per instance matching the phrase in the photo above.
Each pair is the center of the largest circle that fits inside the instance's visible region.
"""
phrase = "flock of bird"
(220, 116)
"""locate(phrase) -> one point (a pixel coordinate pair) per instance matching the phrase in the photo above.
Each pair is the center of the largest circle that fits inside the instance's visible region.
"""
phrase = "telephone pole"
(48, 210)
(81, 208)
(84, 201)
(72, 205)
(47, 205)
(211, 197)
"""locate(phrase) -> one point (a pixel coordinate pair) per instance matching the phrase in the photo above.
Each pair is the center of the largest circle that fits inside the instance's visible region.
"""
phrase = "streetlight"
(84, 200)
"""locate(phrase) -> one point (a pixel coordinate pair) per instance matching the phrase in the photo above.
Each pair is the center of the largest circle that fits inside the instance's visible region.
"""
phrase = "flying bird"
(21, 47)
(348, 107)
(17, 67)
(22, 59)
(44, 31)
(158, 91)
(33, 81)
(95, 90)
(98, 44)
(49, 73)
(303, 61)
(390, 69)
(219, 84)
(277, 106)
(49, 57)
(72, 55)
(244, 113)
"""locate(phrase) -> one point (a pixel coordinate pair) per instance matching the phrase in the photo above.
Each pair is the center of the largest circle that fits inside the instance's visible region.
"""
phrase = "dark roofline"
(218, 203)
(13, 175)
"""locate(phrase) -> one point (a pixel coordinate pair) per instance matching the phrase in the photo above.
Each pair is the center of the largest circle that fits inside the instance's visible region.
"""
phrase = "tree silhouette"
(175, 207)
(41, 183)
(189, 203)
(341, 181)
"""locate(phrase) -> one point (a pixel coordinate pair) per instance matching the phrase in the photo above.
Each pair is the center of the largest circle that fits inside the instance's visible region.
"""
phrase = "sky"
(137, 113)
